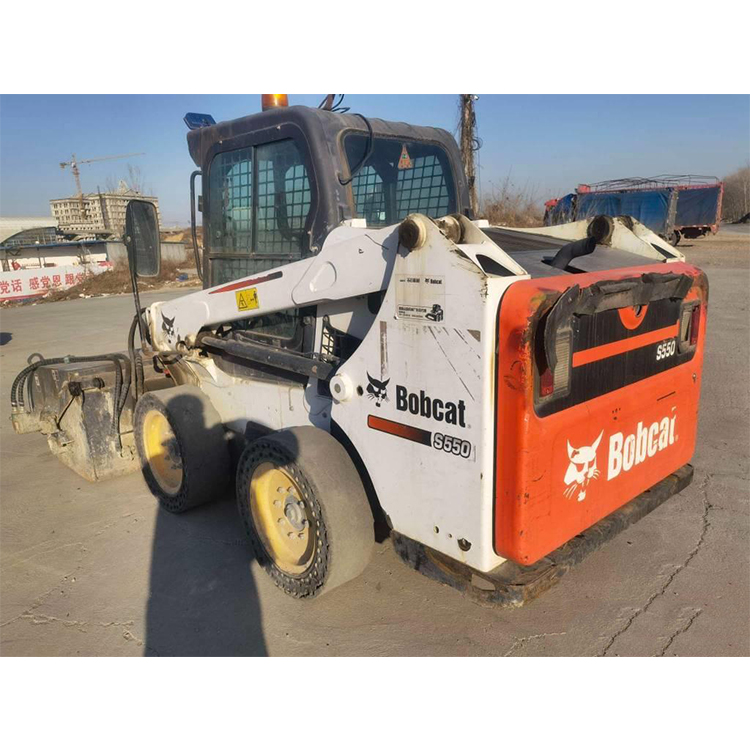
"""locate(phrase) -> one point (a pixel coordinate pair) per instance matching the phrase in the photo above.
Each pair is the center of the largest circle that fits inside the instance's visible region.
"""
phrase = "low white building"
(26, 230)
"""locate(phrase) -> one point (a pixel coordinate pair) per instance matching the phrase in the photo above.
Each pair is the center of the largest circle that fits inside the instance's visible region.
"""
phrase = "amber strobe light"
(271, 101)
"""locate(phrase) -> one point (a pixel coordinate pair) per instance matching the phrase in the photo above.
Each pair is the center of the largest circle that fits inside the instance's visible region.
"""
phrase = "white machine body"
(416, 399)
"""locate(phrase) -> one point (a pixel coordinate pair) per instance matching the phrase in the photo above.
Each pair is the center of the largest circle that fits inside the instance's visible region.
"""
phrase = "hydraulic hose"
(122, 382)
(136, 361)
(128, 371)
(16, 391)
(19, 384)
(21, 377)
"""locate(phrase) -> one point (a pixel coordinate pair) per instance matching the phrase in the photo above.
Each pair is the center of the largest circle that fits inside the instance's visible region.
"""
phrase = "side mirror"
(142, 239)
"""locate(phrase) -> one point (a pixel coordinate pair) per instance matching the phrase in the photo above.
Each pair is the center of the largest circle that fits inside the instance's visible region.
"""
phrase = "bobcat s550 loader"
(504, 400)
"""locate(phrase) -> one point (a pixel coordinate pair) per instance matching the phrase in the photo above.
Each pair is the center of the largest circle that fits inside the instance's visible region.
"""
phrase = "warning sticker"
(420, 297)
(404, 161)
(247, 299)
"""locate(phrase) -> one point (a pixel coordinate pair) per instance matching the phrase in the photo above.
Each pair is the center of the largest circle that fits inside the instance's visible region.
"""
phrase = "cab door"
(260, 205)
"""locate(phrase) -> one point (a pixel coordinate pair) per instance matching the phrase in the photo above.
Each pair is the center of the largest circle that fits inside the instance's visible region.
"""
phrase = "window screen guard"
(400, 178)
(259, 201)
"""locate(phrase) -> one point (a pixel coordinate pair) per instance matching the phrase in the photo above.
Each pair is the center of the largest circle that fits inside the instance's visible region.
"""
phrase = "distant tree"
(736, 203)
(135, 178)
(513, 205)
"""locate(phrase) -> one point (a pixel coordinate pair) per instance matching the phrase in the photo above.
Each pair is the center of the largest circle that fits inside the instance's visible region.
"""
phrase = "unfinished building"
(96, 214)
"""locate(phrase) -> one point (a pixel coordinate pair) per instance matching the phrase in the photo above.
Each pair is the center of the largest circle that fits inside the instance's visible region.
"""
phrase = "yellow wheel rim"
(162, 452)
(282, 518)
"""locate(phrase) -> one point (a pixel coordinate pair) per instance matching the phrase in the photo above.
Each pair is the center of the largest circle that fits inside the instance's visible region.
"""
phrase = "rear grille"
(612, 349)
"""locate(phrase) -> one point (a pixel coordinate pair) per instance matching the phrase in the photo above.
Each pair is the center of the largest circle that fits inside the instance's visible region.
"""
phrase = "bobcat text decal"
(645, 442)
(625, 452)
(432, 408)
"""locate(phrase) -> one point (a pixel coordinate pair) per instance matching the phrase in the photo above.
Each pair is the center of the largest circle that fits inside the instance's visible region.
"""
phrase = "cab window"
(259, 204)
(399, 178)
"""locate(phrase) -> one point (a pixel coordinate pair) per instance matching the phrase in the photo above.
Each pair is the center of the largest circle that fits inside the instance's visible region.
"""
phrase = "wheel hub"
(294, 513)
(281, 518)
(162, 452)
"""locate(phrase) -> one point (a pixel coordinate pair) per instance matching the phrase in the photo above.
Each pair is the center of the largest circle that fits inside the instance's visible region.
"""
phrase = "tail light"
(553, 383)
(690, 321)
(547, 383)
(695, 322)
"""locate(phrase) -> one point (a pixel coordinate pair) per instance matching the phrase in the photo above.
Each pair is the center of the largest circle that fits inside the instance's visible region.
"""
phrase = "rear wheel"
(305, 510)
(182, 447)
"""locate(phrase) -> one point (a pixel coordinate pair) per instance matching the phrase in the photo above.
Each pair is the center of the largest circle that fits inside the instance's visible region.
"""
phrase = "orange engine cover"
(629, 418)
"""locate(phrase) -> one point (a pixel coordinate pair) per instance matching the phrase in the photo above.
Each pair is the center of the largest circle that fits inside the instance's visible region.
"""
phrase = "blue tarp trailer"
(698, 207)
(672, 206)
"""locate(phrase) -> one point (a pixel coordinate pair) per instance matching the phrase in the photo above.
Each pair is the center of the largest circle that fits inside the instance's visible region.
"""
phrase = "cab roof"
(323, 128)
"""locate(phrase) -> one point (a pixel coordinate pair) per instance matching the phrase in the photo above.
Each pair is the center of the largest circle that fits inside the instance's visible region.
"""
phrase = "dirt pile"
(183, 235)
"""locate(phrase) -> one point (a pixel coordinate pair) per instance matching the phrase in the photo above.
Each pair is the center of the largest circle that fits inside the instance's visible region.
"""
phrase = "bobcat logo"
(377, 389)
(581, 469)
(167, 325)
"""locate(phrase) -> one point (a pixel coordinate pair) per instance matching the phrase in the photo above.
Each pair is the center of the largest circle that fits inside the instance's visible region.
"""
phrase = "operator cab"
(276, 183)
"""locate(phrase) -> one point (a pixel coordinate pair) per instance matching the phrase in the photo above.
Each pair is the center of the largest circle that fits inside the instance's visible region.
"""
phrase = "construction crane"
(74, 163)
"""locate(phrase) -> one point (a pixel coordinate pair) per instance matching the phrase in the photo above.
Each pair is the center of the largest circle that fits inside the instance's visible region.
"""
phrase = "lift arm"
(354, 261)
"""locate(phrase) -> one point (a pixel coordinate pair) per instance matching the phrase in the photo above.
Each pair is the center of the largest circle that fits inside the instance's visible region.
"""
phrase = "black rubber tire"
(333, 491)
(206, 465)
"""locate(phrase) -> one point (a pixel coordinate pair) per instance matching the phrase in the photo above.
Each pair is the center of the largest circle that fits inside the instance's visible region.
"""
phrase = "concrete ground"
(97, 569)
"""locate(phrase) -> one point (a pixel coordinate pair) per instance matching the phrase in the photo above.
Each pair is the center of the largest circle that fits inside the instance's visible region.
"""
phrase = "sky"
(546, 144)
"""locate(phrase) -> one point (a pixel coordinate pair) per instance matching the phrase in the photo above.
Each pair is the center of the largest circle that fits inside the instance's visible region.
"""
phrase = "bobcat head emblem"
(167, 325)
(377, 389)
(581, 469)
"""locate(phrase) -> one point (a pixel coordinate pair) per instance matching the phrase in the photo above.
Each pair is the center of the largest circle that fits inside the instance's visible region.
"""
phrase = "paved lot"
(97, 569)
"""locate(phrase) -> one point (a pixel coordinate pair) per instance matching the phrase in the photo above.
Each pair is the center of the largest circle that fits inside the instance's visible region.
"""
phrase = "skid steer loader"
(363, 351)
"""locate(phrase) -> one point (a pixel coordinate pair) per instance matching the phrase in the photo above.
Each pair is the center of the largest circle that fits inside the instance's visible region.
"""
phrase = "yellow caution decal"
(247, 299)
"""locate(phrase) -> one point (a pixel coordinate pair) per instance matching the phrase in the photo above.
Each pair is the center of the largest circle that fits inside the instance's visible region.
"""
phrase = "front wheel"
(305, 510)
(182, 447)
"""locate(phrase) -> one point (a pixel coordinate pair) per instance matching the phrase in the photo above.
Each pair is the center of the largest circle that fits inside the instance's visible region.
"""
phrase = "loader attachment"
(84, 407)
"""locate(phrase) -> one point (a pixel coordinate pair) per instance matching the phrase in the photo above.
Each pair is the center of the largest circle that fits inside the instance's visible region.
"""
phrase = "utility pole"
(469, 142)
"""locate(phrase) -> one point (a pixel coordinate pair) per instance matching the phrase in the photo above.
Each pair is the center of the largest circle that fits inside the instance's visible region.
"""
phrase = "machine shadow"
(202, 599)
